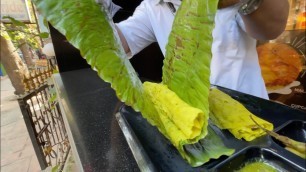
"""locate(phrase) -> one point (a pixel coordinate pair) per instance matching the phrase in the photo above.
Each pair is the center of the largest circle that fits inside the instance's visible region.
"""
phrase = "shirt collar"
(174, 2)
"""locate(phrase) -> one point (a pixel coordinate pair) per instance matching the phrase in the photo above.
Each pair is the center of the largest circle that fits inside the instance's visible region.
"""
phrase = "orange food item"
(301, 21)
(280, 64)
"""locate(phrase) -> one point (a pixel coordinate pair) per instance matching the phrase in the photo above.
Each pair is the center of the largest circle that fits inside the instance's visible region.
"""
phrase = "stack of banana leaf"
(179, 106)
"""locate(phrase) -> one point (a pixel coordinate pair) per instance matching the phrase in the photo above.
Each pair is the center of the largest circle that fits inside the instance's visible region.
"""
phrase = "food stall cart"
(106, 135)
(101, 140)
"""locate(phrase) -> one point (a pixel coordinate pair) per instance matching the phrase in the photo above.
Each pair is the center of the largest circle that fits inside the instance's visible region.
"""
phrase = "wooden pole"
(36, 20)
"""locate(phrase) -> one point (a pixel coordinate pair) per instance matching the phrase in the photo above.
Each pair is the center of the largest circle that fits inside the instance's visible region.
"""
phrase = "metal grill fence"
(44, 122)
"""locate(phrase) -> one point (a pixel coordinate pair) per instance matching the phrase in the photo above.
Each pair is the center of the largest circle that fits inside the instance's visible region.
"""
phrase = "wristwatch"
(249, 6)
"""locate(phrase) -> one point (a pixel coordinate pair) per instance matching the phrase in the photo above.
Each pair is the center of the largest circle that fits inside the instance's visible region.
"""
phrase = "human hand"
(109, 5)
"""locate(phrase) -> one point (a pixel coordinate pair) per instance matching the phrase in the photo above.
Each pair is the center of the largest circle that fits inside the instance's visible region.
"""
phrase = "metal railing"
(36, 78)
(44, 121)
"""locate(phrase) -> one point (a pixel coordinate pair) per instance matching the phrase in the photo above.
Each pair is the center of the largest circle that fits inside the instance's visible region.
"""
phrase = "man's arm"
(267, 22)
(123, 40)
(113, 9)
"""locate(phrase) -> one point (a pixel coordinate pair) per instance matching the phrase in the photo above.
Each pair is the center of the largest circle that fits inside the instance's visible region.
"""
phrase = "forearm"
(123, 40)
(226, 3)
(267, 22)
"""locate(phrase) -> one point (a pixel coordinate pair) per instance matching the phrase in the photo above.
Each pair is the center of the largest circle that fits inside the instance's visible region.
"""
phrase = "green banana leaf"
(211, 147)
(188, 52)
(91, 31)
(186, 71)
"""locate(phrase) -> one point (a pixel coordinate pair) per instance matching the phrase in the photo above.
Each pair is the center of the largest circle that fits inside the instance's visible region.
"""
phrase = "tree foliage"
(21, 32)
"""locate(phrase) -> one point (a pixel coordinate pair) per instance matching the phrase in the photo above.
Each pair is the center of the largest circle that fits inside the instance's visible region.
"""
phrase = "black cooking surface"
(165, 157)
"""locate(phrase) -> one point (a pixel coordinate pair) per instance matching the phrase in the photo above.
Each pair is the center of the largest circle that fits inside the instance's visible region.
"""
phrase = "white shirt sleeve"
(240, 22)
(137, 29)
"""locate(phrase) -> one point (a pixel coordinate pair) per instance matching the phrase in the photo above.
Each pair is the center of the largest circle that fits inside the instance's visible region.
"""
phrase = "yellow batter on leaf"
(181, 121)
(227, 113)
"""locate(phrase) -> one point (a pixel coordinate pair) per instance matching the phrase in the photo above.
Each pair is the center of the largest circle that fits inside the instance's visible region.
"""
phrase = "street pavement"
(17, 153)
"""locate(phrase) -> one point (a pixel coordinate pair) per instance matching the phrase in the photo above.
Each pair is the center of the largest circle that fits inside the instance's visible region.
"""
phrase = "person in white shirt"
(234, 62)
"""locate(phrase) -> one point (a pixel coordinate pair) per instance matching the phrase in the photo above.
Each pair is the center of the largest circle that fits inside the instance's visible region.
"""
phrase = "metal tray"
(153, 152)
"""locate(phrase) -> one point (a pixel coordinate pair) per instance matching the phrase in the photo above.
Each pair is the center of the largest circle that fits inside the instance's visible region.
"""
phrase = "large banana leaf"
(186, 67)
(91, 31)
(186, 70)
